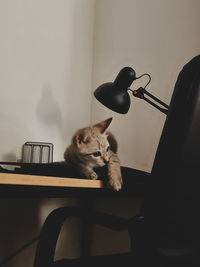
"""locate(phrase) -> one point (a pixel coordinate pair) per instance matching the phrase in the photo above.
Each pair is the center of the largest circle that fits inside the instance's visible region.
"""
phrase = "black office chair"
(169, 236)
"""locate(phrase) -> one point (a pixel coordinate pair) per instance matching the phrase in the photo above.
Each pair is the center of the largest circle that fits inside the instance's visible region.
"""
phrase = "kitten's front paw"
(93, 176)
(115, 184)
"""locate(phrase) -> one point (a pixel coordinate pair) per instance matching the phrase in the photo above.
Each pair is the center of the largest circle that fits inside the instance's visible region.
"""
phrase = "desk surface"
(47, 185)
(37, 180)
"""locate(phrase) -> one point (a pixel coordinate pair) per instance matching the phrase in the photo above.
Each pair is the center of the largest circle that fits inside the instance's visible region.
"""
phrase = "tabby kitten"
(92, 147)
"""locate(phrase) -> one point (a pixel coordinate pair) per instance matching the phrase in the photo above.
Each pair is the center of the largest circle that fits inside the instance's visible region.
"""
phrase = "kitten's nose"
(105, 161)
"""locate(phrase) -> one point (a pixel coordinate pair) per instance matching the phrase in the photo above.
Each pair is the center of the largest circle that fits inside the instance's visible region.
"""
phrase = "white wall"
(157, 37)
(45, 95)
(45, 72)
(46, 64)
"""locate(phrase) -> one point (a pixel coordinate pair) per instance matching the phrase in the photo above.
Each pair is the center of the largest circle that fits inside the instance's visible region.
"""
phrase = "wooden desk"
(36, 185)
(23, 185)
(37, 180)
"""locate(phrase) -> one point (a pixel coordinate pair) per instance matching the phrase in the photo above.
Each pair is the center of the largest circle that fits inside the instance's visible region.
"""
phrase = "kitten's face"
(96, 151)
(93, 145)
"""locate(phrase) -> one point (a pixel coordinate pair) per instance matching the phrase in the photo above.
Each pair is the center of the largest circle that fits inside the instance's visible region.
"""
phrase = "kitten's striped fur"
(92, 147)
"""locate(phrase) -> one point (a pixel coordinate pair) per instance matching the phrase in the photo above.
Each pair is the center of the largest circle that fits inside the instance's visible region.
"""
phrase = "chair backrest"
(172, 191)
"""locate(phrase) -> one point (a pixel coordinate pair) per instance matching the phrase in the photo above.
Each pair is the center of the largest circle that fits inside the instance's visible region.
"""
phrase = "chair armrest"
(50, 231)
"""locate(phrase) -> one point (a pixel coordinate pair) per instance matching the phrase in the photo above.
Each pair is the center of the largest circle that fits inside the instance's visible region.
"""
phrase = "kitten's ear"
(81, 138)
(103, 125)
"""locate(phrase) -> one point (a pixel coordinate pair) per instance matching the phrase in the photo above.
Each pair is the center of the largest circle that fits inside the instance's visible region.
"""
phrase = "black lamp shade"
(114, 95)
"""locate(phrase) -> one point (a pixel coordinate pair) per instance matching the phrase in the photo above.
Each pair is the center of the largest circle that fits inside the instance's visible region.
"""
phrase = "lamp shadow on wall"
(50, 115)
(48, 110)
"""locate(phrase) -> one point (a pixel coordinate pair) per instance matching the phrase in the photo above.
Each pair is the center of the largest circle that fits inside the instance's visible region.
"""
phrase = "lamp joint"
(139, 92)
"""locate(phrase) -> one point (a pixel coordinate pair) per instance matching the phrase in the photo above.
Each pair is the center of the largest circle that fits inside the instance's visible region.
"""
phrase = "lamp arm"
(156, 106)
(140, 94)
(156, 99)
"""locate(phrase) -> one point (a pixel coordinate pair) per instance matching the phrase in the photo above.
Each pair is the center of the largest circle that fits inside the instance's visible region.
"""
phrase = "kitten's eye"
(97, 154)
(107, 149)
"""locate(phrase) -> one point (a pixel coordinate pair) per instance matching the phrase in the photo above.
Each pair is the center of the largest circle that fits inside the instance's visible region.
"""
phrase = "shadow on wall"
(50, 115)
(48, 110)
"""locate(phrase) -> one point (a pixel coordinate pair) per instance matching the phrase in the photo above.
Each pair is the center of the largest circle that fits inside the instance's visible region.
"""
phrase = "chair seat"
(95, 261)
(165, 257)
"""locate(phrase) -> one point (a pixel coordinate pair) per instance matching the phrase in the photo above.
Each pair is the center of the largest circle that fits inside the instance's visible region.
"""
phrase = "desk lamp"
(115, 96)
